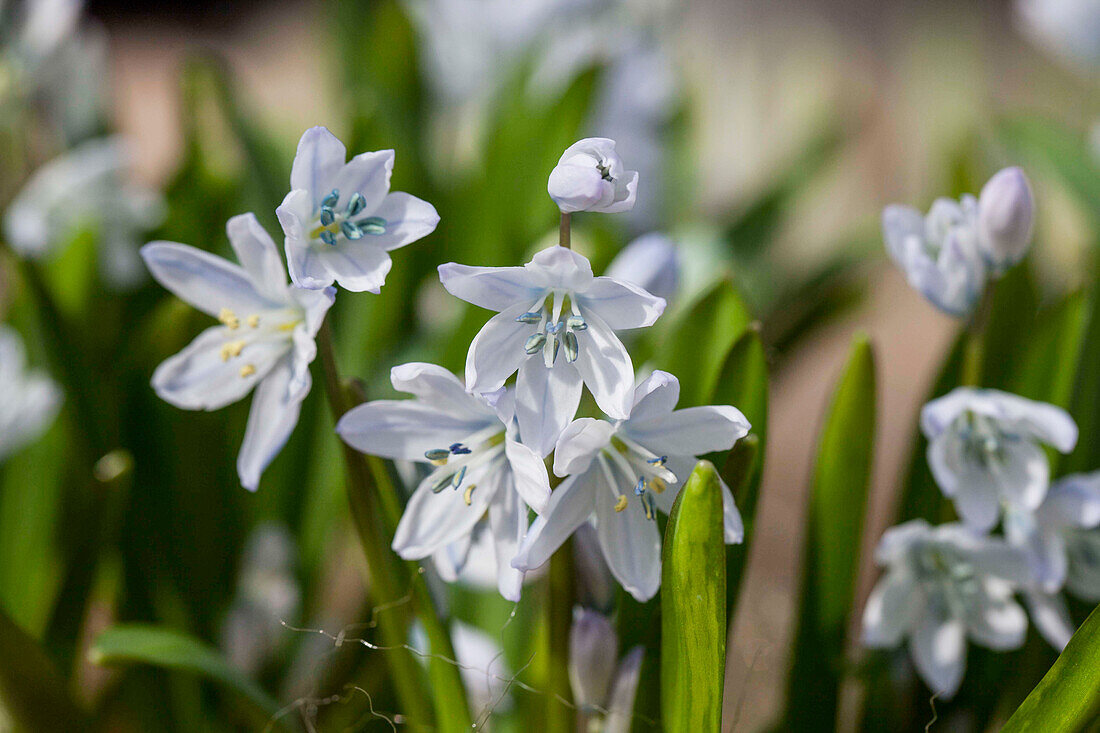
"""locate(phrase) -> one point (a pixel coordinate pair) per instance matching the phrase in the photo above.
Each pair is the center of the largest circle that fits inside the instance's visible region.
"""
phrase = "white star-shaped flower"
(265, 339)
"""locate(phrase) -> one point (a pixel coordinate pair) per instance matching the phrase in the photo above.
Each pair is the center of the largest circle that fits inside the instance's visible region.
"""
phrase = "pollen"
(231, 349)
(253, 321)
(229, 318)
(248, 370)
(620, 505)
(468, 495)
(658, 484)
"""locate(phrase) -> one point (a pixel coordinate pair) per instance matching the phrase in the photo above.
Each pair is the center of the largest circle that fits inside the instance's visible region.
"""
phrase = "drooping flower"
(29, 400)
(341, 219)
(590, 176)
(556, 325)
(624, 472)
(86, 187)
(480, 466)
(264, 341)
(985, 450)
(603, 685)
(943, 585)
(652, 262)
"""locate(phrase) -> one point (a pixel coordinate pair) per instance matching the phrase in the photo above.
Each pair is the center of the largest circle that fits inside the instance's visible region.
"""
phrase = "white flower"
(480, 465)
(341, 220)
(265, 339)
(552, 304)
(652, 262)
(484, 671)
(1005, 213)
(86, 187)
(472, 560)
(602, 683)
(942, 585)
(1069, 29)
(984, 449)
(29, 400)
(590, 176)
(623, 472)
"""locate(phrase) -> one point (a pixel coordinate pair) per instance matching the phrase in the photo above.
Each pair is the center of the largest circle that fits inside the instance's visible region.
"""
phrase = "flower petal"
(492, 288)
(630, 542)
(624, 688)
(733, 527)
(1051, 617)
(626, 193)
(1083, 579)
(652, 262)
(899, 225)
(579, 444)
(994, 619)
(1046, 549)
(570, 505)
(892, 607)
(562, 269)
(204, 280)
(605, 367)
(407, 220)
(1074, 501)
(621, 304)
(259, 256)
(367, 174)
(938, 646)
(305, 267)
(271, 420)
(967, 482)
(1048, 423)
(655, 397)
(433, 520)
(405, 429)
(497, 351)
(546, 401)
(508, 523)
(578, 187)
(358, 266)
(691, 431)
(528, 476)
(319, 159)
(437, 387)
(593, 656)
(895, 543)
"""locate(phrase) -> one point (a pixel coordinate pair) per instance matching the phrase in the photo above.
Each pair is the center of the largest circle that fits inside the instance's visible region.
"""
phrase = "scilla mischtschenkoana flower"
(950, 254)
(985, 449)
(590, 176)
(604, 686)
(341, 219)
(943, 585)
(623, 472)
(265, 338)
(480, 467)
(29, 399)
(556, 325)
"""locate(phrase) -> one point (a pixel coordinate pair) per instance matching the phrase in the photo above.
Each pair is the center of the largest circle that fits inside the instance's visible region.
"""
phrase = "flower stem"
(392, 579)
(559, 716)
(563, 231)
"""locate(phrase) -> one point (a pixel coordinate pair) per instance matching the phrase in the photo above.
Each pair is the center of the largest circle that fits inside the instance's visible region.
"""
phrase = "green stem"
(560, 717)
(392, 579)
(563, 231)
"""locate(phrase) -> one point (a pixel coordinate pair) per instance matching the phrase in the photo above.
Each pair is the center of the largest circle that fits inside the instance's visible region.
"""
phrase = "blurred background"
(768, 135)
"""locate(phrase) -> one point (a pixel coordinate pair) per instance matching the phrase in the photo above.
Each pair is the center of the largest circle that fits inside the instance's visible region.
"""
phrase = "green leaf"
(1068, 697)
(693, 606)
(1085, 404)
(1048, 367)
(142, 644)
(699, 341)
(838, 497)
(32, 692)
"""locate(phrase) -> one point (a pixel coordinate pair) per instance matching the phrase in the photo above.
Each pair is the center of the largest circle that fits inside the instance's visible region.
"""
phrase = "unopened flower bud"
(1005, 217)
(593, 656)
(590, 176)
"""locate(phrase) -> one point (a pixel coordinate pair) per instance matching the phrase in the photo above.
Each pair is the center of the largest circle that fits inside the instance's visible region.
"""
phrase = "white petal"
(1045, 548)
(938, 646)
(307, 270)
(508, 523)
(579, 444)
(198, 378)
(893, 606)
(451, 559)
(319, 159)
(995, 620)
(1075, 501)
(367, 174)
(626, 193)
(965, 481)
(433, 520)
(896, 541)
(528, 476)
(655, 397)
(407, 220)
(630, 542)
(271, 420)
(437, 387)
(605, 367)
(621, 304)
(733, 527)
(681, 466)
(1049, 423)
(546, 401)
(570, 505)
(405, 429)
(204, 280)
(593, 656)
(578, 188)
(899, 224)
(1051, 617)
(1083, 579)
(624, 688)
(359, 266)
(691, 431)
(497, 350)
(314, 305)
(1024, 475)
(493, 288)
(561, 268)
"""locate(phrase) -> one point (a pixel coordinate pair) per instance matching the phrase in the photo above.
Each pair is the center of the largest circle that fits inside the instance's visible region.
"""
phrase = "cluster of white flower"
(486, 441)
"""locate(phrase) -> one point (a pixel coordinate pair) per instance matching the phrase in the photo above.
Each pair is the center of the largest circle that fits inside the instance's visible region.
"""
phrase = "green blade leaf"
(693, 607)
(160, 647)
(1068, 697)
(31, 690)
(838, 497)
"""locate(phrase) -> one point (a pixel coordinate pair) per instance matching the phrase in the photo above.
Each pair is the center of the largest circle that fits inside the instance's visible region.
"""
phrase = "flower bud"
(593, 656)
(651, 262)
(1005, 216)
(590, 176)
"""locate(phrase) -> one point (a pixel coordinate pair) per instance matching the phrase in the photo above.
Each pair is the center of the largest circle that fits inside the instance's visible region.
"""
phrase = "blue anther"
(351, 230)
(356, 204)
(457, 481)
(332, 199)
(328, 237)
(327, 215)
(372, 225)
(529, 317)
(639, 488)
(459, 450)
(660, 461)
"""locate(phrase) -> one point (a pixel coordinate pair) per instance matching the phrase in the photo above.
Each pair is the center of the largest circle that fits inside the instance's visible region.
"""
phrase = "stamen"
(356, 204)
(658, 461)
(639, 488)
(458, 449)
(231, 349)
(253, 321)
(650, 506)
(229, 318)
(351, 230)
(327, 216)
(437, 456)
(372, 225)
(534, 342)
(620, 505)
(576, 323)
(572, 348)
(658, 484)
(248, 370)
(457, 481)
(442, 483)
(328, 237)
(529, 317)
(332, 199)
(467, 496)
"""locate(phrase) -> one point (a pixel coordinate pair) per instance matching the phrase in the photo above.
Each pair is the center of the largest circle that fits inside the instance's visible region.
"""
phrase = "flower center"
(984, 441)
(552, 331)
(271, 326)
(330, 223)
(947, 578)
(455, 462)
(605, 170)
(629, 466)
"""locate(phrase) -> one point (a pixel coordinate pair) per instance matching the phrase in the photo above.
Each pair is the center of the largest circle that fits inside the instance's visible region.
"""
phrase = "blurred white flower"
(265, 339)
(552, 303)
(590, 176)
(1069, 29)
(603, 685)
(648, 456)
(484, 671)
(652, 262)
(29, 400)
(985, 450)
(1005, 216)
(480, 465)
(341, 219)
(942, 585)
(86, 187)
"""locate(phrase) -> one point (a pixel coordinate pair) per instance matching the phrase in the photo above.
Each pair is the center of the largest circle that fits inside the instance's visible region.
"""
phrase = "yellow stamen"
(468, 495)
(248, 370)
(231, 349)
(229, 318)
(439, 461)
(620, 505)
(658, 484)
(253, 321)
